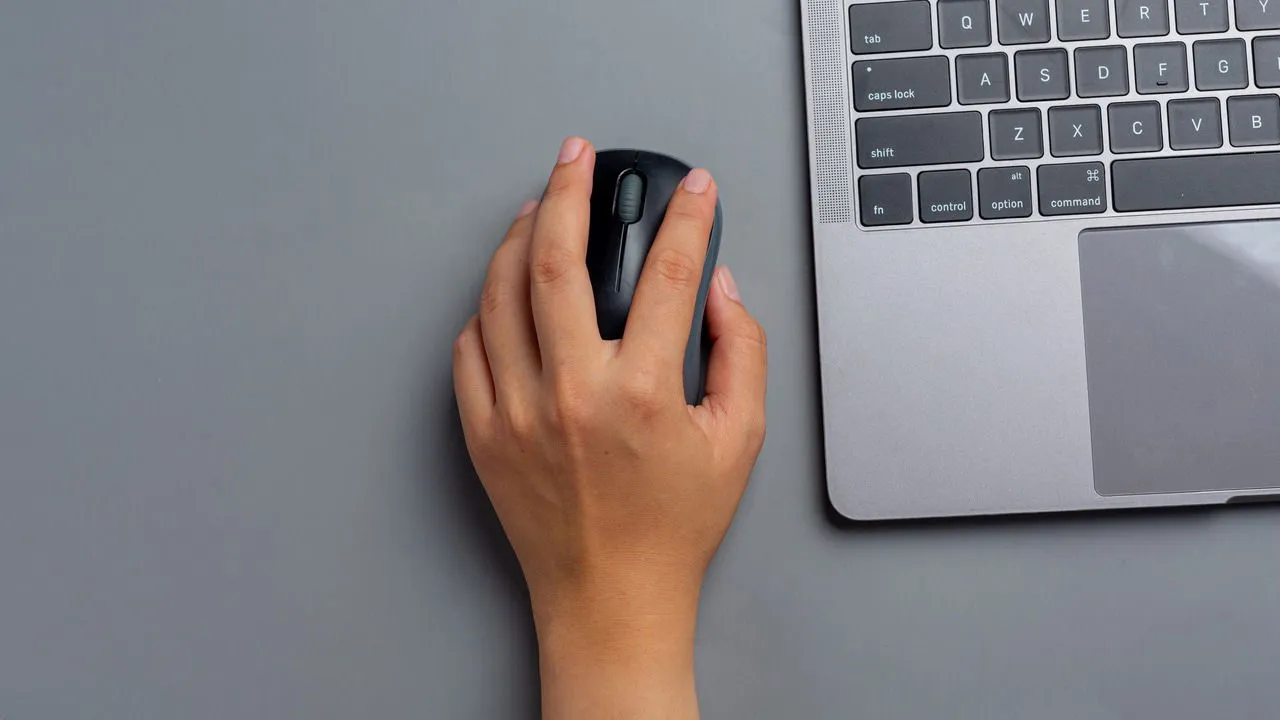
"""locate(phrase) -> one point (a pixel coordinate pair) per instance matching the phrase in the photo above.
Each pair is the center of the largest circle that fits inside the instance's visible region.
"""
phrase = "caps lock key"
(898, 84)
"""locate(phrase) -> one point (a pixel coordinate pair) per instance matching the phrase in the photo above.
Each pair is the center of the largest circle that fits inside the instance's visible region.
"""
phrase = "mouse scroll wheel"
(629, 204)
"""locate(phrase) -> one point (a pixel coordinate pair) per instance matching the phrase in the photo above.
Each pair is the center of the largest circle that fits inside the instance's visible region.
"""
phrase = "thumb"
(738, 368)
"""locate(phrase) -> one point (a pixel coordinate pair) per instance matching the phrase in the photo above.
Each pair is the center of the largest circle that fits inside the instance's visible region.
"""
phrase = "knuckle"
(571, 403)
(493, 297)
(519, 421)
(676, 267)
(688, 211)
(757, 429)
(550, 265)
(643, 391)
(559, 184)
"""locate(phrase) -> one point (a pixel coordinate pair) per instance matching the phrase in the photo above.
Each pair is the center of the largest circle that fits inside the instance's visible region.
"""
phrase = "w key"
(919, 82)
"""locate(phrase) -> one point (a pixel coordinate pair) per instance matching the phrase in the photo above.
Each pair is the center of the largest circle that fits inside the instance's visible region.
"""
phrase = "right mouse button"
(629, 203)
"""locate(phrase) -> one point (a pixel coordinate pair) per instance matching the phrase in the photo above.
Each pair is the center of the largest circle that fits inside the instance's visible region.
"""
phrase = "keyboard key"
(1195, 124)
(1077, 189)
(1075, 130)
(933, 139)
(1083, 20)
(1220, 64)
(1142, 18)
(1254, 120)
(964, 23)
(1200, 16)
(1160, 68)
(885, 199)
(918, 82)
(983, 78)
(946, 196)
(1042, 74)
(1195, 181)
(1135, 127)
(1015, 134)
(1023, 21)
(1266, 61)
(1102, 72)
(1004, 192)
(890, 26)
(1257, 14)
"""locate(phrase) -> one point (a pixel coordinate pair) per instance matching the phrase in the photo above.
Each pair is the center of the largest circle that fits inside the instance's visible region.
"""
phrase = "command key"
(1075, 189)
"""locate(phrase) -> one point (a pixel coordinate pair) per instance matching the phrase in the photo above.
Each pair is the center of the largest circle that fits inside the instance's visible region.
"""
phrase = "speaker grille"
(830, 113)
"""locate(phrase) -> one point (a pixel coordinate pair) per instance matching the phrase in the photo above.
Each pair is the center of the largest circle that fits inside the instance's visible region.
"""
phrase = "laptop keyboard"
(971, 110)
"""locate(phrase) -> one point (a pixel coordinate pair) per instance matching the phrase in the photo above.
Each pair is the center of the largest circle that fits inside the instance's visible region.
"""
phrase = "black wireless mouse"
(628, 202)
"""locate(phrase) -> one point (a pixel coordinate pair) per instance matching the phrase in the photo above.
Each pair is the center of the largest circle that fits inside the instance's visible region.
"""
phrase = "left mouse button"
(629, 203)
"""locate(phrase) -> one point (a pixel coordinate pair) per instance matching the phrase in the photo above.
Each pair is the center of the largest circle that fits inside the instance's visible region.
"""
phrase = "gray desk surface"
(236, 239)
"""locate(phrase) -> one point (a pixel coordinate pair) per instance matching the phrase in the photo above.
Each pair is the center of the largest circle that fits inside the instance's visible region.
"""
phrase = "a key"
(1004, 192)
(1195, 181)
(1200, 16)
(1083, 19)
(1015, 134)
(1135, 127)
(918, 82)
(964, 23)
(1195, 124)
(1142, 18)
(983, 78)
(1266, 61)
(885, 199)
(1020, 22)
(1075, 130)
(1076, 189)
(931, 139)
(1254, 120)
(1257, 14)
(945, 196)
(890, 26)
(1102, 72)
(1042, 74)
(1220, 64)
(1160, 68)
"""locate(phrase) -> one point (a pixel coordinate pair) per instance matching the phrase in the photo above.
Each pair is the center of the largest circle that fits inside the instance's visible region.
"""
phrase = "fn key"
(885, 199)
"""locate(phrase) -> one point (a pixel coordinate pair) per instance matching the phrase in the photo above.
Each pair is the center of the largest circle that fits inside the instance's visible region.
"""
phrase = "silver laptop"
(1047, 247)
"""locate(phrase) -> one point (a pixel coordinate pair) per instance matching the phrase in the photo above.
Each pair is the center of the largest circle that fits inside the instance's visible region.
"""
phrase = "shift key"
(932, 139)
(890, 26)
(918, 82)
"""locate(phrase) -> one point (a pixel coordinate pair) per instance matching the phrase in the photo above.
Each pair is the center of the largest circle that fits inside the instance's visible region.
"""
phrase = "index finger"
(564, 310)
(661, 317)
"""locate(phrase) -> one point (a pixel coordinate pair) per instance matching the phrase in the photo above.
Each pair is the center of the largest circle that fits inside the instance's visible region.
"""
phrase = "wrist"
(617, 654)
(617, 624)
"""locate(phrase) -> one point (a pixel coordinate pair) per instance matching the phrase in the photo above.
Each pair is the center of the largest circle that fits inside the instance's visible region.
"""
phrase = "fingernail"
(570, 150)
(528, 207)
(727, 284)
(697, 181)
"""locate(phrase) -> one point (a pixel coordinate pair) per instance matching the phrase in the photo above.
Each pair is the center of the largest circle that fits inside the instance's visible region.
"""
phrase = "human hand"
(614, 493)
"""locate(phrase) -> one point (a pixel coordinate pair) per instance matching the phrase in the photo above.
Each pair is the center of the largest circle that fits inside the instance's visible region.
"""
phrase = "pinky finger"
(472, 379)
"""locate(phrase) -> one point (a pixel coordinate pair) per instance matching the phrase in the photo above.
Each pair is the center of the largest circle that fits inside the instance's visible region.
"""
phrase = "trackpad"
(1182, 342)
